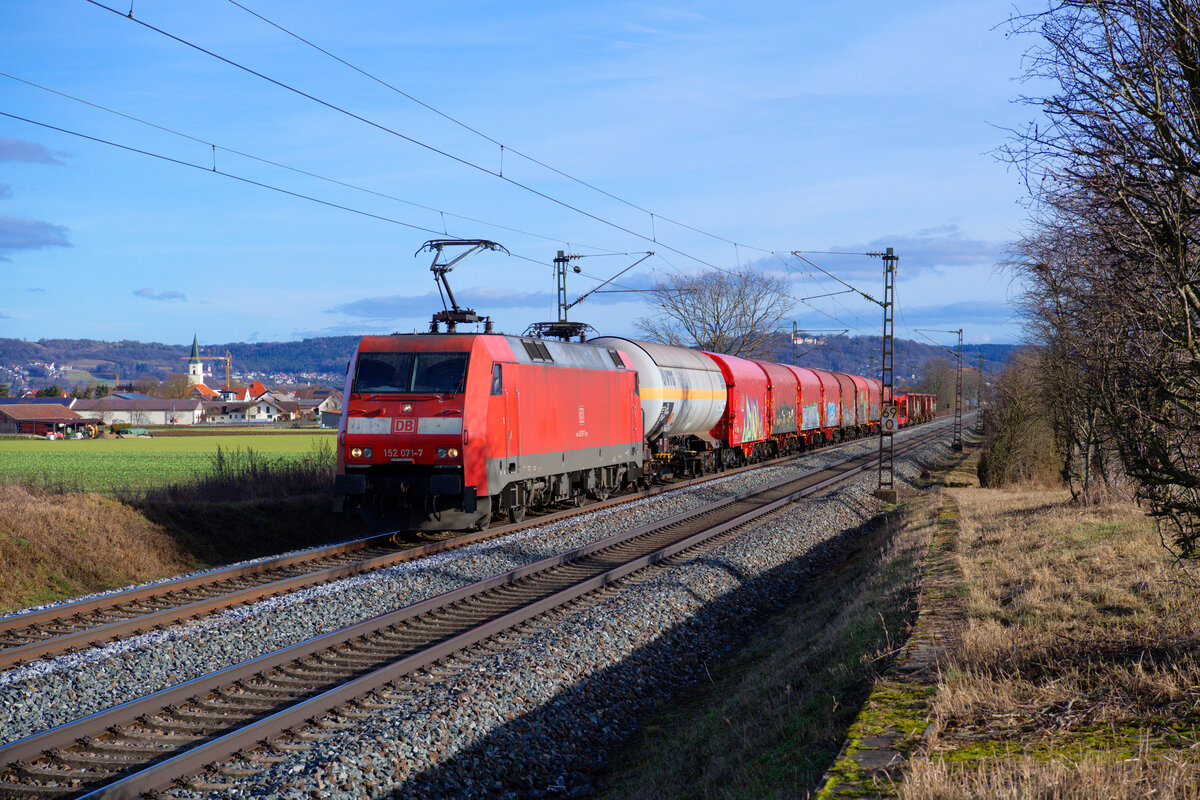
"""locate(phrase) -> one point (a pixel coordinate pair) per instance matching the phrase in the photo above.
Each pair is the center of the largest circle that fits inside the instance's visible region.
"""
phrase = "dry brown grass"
(55, 546)
(1078, 670)
(1022, 778)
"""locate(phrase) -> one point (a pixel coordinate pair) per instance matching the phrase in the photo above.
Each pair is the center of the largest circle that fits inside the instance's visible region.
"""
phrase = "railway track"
(148, 743)
(70, 627)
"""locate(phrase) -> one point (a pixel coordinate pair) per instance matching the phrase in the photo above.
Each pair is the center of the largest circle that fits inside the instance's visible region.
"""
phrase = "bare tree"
(732, 312)
(175, 387)
(1020, 441)
(1112, 264)
(937, 377)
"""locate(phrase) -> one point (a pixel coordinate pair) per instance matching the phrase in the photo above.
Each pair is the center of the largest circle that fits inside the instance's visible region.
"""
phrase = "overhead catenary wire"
(288, 167)
(405, 137)
(239, 178)
(466, 162)
(503, 147)
(444, 153)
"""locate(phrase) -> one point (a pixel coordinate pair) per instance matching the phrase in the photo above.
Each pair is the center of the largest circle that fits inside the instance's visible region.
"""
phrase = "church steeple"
(195, 365)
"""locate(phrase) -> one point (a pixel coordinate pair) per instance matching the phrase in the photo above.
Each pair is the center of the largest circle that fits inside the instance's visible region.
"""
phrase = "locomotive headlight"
(447, 452)
(452, 452)
(360, 452)
(406, 408)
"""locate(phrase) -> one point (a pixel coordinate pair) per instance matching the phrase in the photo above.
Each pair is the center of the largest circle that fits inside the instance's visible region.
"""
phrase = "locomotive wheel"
(516, 513)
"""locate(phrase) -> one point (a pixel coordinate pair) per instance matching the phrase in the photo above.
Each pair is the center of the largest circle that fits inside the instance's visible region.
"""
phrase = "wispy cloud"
(22, 233)
(149, 294)
(971, 315)
(482, 299)
(957, 314)
(26, 152)
(936, 248)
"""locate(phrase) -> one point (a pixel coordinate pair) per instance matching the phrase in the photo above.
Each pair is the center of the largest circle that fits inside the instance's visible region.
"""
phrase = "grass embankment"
(775, 714)
(1077, 674)
(230, 506)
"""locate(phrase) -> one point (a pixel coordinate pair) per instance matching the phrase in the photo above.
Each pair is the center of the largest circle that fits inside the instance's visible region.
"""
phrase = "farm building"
(135, 411)
(40, 419)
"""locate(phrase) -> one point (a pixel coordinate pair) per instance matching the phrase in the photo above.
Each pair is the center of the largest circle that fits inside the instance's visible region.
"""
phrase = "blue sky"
(763, 128)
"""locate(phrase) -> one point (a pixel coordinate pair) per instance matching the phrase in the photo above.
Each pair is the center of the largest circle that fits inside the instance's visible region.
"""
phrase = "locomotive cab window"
(410, 373)
(497, 380)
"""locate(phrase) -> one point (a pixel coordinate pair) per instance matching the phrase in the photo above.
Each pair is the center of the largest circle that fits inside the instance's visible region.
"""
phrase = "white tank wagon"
(682, 391)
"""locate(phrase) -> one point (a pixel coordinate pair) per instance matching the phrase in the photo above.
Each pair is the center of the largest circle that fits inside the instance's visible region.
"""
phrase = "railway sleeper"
(209, 785)
(92, 761)
(276, 692)
(376, 650)
(47, 773)
(153, 735)
(214, 718)
(317, 670)
(265, 758)
(34, 792)
(236, 705)
(177, 727)
(240, 772)
(131, 745)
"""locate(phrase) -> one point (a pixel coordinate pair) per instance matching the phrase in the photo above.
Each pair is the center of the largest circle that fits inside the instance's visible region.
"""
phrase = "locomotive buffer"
(452, 315)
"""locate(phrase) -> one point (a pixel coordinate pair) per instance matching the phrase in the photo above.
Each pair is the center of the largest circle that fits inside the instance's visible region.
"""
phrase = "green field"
(124, 465)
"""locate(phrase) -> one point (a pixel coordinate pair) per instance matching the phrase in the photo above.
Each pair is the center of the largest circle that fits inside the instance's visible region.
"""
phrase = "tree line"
(1110, 394)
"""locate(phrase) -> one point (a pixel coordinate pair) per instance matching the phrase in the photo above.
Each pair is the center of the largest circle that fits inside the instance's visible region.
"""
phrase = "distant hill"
(862, 355)
(327, 356)
(133, 360)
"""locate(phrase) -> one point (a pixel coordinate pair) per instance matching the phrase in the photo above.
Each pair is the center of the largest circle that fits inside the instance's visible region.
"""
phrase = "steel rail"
(146, 620)
(162, 773)
(150, 591)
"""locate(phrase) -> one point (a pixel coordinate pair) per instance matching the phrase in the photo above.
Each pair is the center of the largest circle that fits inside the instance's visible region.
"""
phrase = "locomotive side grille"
(537, 350)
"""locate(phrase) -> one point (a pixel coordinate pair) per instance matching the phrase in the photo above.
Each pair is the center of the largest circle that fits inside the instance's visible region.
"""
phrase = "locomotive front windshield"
(410, 373)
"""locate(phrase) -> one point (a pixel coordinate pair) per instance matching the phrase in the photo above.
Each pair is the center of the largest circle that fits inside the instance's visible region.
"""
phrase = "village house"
(260, 410)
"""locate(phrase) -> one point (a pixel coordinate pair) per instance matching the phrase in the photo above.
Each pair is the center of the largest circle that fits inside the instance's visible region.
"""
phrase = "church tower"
(195, 365)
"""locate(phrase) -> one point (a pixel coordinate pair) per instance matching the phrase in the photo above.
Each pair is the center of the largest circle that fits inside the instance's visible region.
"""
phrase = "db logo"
(404, 425)
(581, 415)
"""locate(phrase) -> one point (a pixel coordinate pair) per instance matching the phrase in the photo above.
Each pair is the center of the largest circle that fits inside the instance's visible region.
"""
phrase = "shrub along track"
(233, 709)
(69, 627)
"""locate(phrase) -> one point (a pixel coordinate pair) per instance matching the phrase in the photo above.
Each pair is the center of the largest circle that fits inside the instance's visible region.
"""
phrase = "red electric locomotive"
(441, 431)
